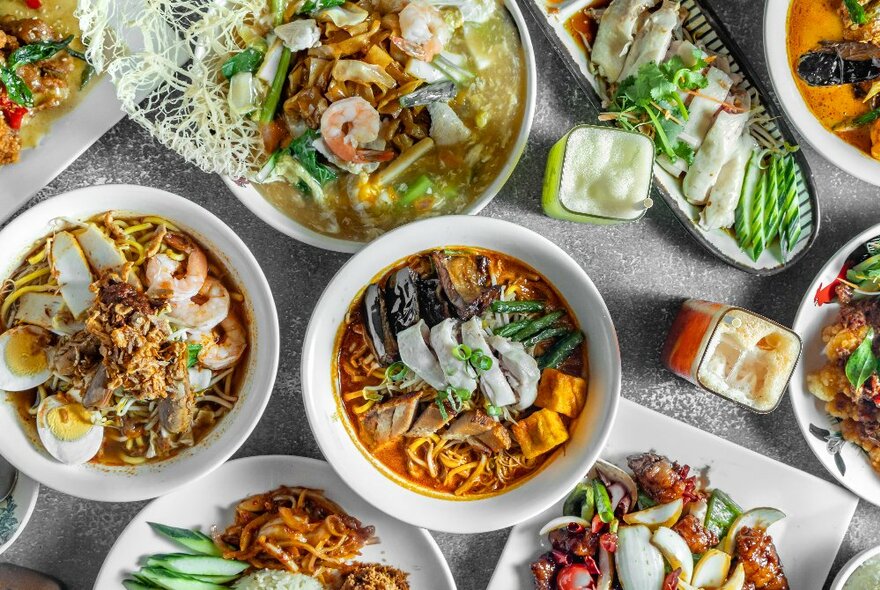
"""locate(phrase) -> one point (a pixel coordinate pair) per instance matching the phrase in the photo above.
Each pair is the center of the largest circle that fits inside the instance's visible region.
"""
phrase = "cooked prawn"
(167, 279)
(423, 31)
(224, 345)
(347, 124)
(205, 310)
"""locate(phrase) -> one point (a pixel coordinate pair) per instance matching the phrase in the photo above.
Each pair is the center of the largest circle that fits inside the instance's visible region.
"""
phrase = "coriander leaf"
(862, 362)
(685, 152)
(192, 354)
(248, 60)
(302, 149)
(16, 89)
(311, 6)
(34, 52)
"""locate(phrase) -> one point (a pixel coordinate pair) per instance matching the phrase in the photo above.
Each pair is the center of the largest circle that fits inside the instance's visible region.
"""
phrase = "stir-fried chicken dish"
(657, 528)
(461, 370)
(834, 48)
(39, 72)
(849, 383)
(123, 341)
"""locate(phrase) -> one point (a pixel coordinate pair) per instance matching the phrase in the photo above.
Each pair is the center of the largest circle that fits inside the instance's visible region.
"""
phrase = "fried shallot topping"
(755, 550)
(664, 481)
(372, 576)
(134, 341)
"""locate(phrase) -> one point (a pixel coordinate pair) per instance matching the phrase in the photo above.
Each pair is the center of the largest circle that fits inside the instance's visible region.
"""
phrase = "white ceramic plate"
(16, 510)
(286, 225)
(211, 501)
(70, 136)
(704, 26)
(146, 481)
(829, 145)
(561, 471)
(846, 462)
(818, 513)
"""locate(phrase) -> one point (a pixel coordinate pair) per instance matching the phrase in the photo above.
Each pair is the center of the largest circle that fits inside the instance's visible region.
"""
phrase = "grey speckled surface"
(643, 270)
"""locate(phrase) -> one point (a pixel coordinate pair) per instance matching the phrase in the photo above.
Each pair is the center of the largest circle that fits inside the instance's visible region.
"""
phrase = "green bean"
(547, 334)
(512, 328)
(517, 306)
(560, 351)
(539, 324)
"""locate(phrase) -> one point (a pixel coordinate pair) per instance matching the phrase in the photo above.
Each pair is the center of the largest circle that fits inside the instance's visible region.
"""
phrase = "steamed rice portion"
(277, 580)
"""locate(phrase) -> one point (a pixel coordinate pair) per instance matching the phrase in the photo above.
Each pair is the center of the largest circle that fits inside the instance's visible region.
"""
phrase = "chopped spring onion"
(856, 12)
(462, 352)
(480, 361)
(396, 371)
(493, 411)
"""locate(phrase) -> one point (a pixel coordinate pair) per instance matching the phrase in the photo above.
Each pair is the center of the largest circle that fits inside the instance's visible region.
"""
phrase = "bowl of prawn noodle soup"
(414, 502)
(508, 92)
(227, 257)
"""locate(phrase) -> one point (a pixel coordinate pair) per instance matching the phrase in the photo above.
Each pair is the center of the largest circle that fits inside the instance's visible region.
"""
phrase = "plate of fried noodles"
(273, 523)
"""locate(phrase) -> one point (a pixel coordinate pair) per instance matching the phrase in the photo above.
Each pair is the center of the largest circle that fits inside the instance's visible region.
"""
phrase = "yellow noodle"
(32, 276)
(136, 228)
(12, 297)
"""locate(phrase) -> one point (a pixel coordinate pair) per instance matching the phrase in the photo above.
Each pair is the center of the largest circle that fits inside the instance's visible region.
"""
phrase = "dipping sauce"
(732, 352)
(866, 576)
(599, 175)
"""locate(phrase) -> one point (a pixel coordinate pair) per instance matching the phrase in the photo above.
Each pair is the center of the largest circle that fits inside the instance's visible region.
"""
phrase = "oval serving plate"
(703, 25)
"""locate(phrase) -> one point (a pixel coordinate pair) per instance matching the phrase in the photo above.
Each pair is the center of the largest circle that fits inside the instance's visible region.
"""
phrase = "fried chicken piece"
(698, 538)
(756, 552)
(662, 480)
(10, 144)
(28, 30)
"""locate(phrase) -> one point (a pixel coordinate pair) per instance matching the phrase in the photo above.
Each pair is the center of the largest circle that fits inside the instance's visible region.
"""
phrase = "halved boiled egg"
(68, 430)
(24, 363)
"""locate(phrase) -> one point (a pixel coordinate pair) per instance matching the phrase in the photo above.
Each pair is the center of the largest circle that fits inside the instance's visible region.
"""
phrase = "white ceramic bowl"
(560, 473)
(845, 462)
(286, 225)
(852, 565)
(120, 484)
(829, 145)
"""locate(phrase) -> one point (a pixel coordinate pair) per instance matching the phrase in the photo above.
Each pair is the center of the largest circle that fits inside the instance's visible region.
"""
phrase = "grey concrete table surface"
(642, 269)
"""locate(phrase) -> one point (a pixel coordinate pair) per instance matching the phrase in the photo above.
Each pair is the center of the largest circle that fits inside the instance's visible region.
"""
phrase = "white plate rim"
(827, 144)
(293, 461)
(267, 212)
(803, 401)
(27, 491)
(497, 582)
(36, 464)
(432, 512)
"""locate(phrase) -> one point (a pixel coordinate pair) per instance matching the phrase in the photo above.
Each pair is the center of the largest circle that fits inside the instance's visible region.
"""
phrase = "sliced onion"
(562, 522)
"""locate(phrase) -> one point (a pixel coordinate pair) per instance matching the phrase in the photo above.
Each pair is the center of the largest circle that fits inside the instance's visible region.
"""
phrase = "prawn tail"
(415, 50)
(365, 155)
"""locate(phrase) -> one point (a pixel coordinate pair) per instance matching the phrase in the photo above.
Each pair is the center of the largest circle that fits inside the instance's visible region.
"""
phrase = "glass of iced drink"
(599, 175)
(732, 352)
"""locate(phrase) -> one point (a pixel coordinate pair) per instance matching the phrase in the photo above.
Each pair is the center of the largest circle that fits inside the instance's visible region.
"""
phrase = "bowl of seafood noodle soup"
(140, 342)
(451, 176)
(501, 455)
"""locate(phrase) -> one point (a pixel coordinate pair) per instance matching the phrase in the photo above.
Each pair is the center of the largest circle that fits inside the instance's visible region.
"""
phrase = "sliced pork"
(520, 368)
(415, 354)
